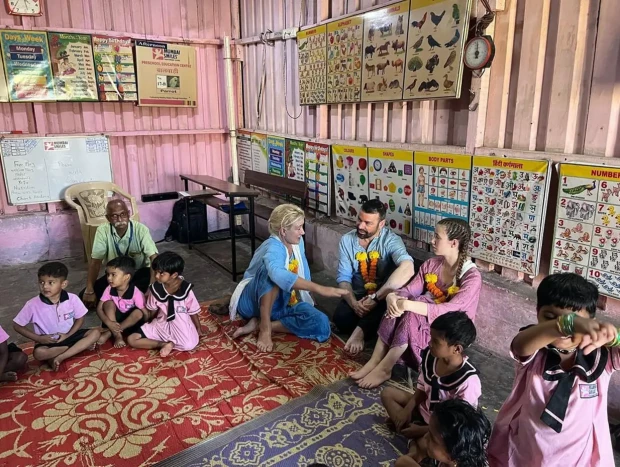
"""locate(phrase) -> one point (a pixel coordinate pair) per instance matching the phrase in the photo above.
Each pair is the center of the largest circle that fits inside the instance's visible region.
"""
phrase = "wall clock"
(479, 52)
(25, 7)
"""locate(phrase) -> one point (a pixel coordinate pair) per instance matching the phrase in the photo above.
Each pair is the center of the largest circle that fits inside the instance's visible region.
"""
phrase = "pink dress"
(413, 329)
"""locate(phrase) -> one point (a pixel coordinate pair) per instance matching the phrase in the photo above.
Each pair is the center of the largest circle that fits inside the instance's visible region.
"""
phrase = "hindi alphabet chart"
(311, 51)
(318, 177)
(507, 208)
(344, 60)
(442, 185)
(351, 186)
(587, 227)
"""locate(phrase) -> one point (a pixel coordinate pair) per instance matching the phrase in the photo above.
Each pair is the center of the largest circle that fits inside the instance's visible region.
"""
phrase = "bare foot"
(105, 335)
(363, 371)
(264, 342)
(166, 349)
(376, 377)
(355, 344)
(249, 328)
(56, 363)
(9, 376)
(119, 342)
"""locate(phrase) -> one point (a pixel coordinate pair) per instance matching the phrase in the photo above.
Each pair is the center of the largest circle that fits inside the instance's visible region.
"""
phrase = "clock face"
(478, 53)
(24, 7)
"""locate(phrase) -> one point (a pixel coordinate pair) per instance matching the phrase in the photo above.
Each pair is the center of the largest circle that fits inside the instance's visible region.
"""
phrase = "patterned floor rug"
(339, 425)
(129, 407)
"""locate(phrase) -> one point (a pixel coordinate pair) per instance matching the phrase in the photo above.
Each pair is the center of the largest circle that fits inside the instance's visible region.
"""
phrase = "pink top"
(132, 298)
(3, 335)
(520, 438)
(50, 318)
(466, 299)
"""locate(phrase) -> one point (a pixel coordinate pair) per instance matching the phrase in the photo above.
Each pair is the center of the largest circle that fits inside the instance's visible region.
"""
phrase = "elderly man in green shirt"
(119, 237)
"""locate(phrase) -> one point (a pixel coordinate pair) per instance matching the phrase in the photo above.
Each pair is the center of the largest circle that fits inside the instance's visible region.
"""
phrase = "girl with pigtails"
(447, 282)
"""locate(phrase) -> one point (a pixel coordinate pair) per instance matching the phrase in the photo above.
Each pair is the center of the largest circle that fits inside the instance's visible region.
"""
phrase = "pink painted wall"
(150, 146)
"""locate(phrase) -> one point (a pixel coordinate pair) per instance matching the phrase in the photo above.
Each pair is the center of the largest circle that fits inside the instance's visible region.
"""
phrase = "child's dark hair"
(567, 290)
(458, 229)
(123, 263)
(456, 327)
(465, 432)
(169, 262)
(55, 269)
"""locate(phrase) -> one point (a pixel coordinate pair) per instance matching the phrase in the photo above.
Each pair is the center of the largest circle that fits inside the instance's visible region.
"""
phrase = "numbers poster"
(442, 184)
(311, 51)
(587, 228)
(344, 60)
(385, 39)
(318, 177)
(390, 172)
(259, 152)
(244, 152)
(351, 172)
(115, 69)
(507, 208)
(275, 149)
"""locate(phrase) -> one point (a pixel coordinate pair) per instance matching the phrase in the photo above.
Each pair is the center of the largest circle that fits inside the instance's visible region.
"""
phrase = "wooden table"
(230, 191)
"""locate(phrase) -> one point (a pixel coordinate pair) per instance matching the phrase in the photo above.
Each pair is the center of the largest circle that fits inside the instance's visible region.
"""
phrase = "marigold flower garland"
(293, 266)
(431, 286)
(368, 269)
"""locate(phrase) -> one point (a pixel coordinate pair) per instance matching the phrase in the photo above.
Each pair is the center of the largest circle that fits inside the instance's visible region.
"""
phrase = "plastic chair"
(90, 200)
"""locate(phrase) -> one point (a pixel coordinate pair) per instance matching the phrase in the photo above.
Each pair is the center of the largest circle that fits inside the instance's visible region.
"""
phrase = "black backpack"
(197, 222)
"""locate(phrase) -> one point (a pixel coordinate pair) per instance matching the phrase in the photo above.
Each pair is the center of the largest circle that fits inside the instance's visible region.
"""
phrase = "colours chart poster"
(115, 68)
(73, 67)
(344, 60)
(318, 178)
(312, 56)
(351, 184)
(259, 152)
(295, 158)
(275, 151)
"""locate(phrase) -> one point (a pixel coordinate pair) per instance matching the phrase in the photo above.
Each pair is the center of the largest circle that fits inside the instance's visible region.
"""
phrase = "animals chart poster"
(259, 153)
(318, 177)
(437, 34)
(385, 38)
(587, 226)
(507, 208)
(116, 72)
(311, 52)
(73, 67)
(344, 60)
(275, 148)
(442, 184)
(295, 156)
(244, 152)
(390, 172)
(351, 172)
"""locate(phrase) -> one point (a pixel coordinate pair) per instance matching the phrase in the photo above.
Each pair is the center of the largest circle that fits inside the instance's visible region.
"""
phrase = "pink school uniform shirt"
(51, 318)
(132, 298)
(521, 438)
(3, 335)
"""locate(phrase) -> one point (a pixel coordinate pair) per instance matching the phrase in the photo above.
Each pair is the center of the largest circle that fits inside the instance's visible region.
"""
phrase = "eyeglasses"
(122, 215)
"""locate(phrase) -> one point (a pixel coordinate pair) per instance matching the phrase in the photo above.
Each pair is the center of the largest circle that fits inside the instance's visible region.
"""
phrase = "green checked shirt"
(136, 242)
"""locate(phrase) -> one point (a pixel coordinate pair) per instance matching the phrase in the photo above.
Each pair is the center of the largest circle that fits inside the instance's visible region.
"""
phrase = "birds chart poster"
(311, 53)
(507, 209)
(344, 60)
(587, 226)
(318, 177)
(442, 188)
(351, 186)
(390, 172)
(437, 34)
(385, 39)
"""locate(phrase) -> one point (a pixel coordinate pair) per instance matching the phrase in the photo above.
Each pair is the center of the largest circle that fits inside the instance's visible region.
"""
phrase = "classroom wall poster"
(73, 67)
(27, 65)
(318, 177)
(442, 185)
(115, 68)
(244, 152)
(276, 160)
(587, 226)
(4, 91)
(166, 74)
(508, 202)
(295, 157)
(259, 153)
(312, 62)
(344, 60)
(390, 172)
(385, 37)
(351, 184)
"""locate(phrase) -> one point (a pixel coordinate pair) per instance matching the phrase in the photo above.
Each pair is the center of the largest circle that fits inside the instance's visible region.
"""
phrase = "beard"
(363, 234)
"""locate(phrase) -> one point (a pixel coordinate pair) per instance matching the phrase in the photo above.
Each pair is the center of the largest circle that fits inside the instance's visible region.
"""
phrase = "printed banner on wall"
(318, 177)
(72, 66)
(259, 152)
(27, 65)
(166, 74)
(295, 157)
(312, 65)
(351, 184)
(116, 73)
(4, 91)
(275, 148)
(244, 152)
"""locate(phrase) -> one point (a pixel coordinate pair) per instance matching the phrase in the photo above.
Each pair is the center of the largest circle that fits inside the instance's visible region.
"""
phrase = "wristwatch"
(373, 297)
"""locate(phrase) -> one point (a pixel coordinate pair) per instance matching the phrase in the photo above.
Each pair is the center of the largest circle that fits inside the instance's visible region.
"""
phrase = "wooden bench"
(287, 190)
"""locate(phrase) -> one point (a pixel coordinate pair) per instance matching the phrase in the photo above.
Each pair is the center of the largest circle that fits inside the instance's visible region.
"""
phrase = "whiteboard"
(39, 170)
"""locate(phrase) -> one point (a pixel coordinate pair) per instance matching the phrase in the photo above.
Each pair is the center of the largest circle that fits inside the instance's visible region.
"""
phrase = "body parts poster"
(385, 39)
(390, 172)
(27, 66)
(295, 157)
(312, 65)
(587, 227)
(259, 153)
(244, 152)
(73, 67)
(437, 34)
(115, 68)
(275, 149)
(351, 172)
(166, 74)
(508, 202)
(442, 184)
(318, 177)
(344, 60)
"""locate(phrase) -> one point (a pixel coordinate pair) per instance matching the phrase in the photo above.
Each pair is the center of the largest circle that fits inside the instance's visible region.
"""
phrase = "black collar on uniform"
(63, 297)
(160, 294)
(128, 293)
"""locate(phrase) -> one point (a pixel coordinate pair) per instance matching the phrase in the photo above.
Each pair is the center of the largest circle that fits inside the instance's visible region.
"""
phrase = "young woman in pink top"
(447, 282)
(556, 414)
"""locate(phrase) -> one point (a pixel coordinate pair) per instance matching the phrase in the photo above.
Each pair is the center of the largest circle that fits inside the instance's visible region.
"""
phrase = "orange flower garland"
(368, 271)
(293, 266)
(431, 286)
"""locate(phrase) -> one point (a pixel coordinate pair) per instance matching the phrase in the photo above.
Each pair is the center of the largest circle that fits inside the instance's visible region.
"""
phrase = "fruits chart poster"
(437, 35)
(115, 68)
(507, 208)
(351, 184)
(587, 226)
(312, 56)
(344, 60)
(390, 172)
(259, 152)
(244, 152)
(318, 177)
(275, 148)
(295, 157)
(385, 38)
(442, 184)
(73, 67)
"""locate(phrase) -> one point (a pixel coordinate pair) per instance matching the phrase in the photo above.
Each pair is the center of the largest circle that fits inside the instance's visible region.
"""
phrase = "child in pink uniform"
(12, 358)
(556, 414)
(173, 309)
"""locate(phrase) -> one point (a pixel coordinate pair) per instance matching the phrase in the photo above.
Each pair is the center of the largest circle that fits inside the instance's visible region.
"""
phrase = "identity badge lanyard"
(118, 250)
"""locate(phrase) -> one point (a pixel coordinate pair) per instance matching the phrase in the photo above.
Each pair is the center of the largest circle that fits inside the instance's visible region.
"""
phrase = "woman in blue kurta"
(274, 293)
